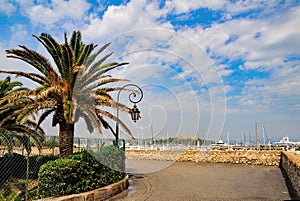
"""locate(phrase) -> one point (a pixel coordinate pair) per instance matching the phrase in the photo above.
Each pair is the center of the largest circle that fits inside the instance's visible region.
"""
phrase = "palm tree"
(7, 87)
(12, 96)
(71, 88)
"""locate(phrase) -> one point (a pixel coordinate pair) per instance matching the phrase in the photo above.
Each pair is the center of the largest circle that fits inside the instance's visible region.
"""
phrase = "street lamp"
(134, 112)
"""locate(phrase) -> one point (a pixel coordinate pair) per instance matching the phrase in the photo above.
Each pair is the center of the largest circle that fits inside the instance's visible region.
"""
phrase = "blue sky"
(208, 68)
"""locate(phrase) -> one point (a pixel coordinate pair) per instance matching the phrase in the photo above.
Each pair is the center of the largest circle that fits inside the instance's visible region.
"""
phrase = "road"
(154, 180)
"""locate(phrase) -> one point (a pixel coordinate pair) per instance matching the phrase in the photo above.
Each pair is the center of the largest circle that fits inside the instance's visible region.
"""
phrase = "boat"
(220, 142)
(285, 141)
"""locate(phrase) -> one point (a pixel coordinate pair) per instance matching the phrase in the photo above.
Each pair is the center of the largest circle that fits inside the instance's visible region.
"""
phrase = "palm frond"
(31, 57)
(44, 115)
(54, 49)
(88, 79)
(87, 50)
(24, 140)
(110, 116)
(32, 76)
(22, 117)
(37, 143)
(76, 43)
(4, 135)
(67, 62)
(92, 58)
(6, 86)
(90, 119)
(107, 126)
(91, 69)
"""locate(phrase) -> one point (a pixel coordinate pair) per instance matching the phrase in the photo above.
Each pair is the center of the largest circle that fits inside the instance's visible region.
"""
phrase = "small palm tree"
(72, 88)
(11, 95)
(7, 87)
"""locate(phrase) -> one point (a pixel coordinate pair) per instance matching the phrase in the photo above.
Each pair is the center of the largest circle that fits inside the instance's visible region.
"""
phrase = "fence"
(19, 170)
(51, 146)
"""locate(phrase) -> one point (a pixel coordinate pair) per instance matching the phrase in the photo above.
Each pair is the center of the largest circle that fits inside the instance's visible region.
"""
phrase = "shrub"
(35, 162)
(77, 173)
(112, 157)
(50, 143)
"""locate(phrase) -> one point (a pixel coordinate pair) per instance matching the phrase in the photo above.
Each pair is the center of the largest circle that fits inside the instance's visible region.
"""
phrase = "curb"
(97, 194)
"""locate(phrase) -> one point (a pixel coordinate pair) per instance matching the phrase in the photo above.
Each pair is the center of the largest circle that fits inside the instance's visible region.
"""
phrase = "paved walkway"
(192, 181)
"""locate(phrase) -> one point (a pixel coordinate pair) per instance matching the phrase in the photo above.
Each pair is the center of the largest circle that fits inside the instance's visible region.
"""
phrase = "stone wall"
(162, 155)
(236, 157)
(213, 156)
(290, 162)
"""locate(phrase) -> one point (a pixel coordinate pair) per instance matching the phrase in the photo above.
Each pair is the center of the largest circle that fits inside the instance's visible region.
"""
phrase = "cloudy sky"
(207, 68)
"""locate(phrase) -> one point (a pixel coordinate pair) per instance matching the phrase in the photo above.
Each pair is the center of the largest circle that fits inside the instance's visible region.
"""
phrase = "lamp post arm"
(131, 96)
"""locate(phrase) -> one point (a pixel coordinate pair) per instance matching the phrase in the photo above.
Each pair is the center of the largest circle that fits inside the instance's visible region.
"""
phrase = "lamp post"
(134, 112)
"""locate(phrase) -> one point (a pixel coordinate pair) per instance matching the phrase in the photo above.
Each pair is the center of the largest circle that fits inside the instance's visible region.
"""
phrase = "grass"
(15, 190)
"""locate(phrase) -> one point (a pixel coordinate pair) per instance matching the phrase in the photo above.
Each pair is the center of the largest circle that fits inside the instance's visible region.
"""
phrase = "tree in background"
(73, 87)
(12, 97)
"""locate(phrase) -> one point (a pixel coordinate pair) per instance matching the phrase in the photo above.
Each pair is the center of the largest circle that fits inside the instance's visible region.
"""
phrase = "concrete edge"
(291, 171)
(97, 194)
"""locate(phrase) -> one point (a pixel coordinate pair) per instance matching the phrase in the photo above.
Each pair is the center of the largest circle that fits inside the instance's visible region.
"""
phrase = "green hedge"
(80, 172)
(112, 157)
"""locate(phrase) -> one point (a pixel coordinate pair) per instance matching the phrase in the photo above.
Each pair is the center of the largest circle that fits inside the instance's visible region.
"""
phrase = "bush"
(77, 173)
(112, 157)
(35, 162)
(50, 143)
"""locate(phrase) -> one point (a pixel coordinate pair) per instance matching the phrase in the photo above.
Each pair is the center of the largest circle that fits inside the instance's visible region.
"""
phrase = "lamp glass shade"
(135, 113)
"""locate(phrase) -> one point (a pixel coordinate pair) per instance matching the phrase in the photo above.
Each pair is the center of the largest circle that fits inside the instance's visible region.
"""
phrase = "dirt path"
(191, 181)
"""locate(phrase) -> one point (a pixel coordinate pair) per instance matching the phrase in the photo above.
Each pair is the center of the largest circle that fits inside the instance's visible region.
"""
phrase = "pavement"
(165, 180)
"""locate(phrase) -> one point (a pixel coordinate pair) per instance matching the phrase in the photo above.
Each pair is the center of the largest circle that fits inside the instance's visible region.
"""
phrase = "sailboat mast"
(250, 143)
(257, 142)
(264, 135)
(152, 133)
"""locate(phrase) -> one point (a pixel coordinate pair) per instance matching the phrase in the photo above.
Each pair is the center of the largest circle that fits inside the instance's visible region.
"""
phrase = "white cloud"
(7, 7)
(57, 11)
(19, 36)
(136, 14)
(244, 6)
(266, 53)
(180, 6)
(229, 8)
(282, 33)
(278, 37)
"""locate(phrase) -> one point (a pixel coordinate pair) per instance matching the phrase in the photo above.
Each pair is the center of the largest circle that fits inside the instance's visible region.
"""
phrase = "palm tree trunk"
(66, 139)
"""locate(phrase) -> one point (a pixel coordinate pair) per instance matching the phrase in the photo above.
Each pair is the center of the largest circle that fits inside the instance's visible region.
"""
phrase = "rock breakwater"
(250, 157)
(162, 155)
